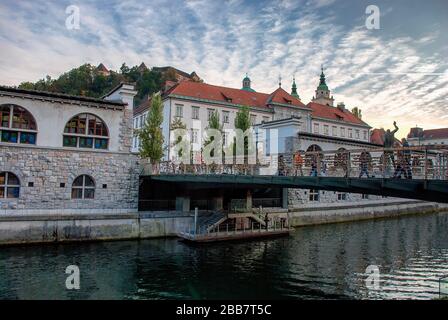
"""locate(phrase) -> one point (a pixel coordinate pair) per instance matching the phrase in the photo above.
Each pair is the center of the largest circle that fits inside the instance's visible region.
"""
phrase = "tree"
(178, 124)
(213, 123)
(151, 135)
(242, 122)
(357, 112)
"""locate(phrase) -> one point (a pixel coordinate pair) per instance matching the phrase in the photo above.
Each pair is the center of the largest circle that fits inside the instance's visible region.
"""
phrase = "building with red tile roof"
(418, 136)
(193, 102)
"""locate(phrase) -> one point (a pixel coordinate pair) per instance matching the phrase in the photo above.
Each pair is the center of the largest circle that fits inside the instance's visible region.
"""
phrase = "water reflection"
(326, 261)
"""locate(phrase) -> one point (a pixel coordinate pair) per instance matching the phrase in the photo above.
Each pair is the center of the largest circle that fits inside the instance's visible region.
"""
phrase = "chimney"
(124, 92)
(341, 106)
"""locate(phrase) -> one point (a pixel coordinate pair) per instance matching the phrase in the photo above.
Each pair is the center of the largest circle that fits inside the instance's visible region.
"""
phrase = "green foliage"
(178, 124)
(242, 119)
(151, 136)
(86, 81)
(357, 112)
(213, 123)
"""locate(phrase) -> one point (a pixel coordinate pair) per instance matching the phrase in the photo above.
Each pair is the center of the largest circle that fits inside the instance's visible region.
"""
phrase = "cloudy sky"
(397, 72)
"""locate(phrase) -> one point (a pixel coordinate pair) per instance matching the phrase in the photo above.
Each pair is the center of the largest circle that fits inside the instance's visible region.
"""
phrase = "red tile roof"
(441, 133)
(236, 96)
(377, 136)
(334, 113)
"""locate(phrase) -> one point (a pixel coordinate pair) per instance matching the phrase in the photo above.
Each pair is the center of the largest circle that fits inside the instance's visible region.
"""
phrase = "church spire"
(294, 89)
(322, 92)
(322, 82)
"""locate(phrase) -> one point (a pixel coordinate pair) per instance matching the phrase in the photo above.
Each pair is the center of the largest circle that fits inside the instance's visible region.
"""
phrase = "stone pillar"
(249, 200)
(285, 195)
(218, 203)
(183, 204)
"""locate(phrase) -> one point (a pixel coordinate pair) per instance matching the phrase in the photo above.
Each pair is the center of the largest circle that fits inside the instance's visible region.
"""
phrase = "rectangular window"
(10, 136)
(210, 113)
(70, 141)
(342, 132)
(4, 117)
(342, 196)
(100, 143)
(135, 123)
(316, 128)
(195, 113)
(334, 130)
(365, 196)
(350, 133)
(225, 116)
(253, 119)
(224, 138)
(326, 129)
(357, 134)
(85, 142)
(179, 111)
(365, 134)
(194, 136)
(314, 195)
(27, 138)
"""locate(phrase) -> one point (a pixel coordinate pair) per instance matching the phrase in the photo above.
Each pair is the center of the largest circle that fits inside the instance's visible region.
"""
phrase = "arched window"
(313, 154)
(9, 185)
(86, 131)
(340, 158)
(83, 187)
(17, 125)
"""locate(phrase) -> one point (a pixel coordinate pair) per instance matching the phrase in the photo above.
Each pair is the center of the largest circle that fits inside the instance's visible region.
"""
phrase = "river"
(316, 262)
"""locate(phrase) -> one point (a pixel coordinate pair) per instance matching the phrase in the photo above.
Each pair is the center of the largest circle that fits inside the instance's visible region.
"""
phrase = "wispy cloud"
(390, 75)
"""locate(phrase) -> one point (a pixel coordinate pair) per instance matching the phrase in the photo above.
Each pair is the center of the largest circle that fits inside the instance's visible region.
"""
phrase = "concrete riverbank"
(50, 226)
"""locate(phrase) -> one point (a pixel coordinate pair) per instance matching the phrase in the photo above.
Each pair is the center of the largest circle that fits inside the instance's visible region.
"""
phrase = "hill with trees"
(92, 81)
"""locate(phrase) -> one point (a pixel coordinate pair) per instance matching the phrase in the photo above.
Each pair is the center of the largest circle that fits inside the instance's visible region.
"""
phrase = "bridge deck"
(420, 189)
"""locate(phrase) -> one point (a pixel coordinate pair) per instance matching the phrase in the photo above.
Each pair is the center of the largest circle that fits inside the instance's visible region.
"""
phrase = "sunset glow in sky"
(399, 72)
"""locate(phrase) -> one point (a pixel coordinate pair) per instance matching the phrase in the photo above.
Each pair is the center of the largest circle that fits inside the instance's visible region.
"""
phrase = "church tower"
(322, 92)
(246, 84)
(294, 89)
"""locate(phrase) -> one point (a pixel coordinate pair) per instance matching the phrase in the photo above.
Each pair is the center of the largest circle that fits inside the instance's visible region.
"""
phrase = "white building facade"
(61, 152)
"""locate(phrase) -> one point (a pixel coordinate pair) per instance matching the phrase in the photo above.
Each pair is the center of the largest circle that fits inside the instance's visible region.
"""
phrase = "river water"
(317, 262)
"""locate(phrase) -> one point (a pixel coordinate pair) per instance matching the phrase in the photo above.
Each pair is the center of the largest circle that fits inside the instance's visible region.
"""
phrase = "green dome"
(246, 84)
(322, 83)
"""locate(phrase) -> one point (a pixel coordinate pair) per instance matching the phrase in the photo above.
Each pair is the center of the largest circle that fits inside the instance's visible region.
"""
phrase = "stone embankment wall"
(40, 226)
(43, 228)
(334, 213)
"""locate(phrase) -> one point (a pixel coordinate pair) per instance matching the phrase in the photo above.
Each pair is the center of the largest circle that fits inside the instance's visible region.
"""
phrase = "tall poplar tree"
(151, 135)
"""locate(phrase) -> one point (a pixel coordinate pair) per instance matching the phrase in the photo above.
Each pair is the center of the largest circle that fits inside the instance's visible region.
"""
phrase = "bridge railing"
(418, 162)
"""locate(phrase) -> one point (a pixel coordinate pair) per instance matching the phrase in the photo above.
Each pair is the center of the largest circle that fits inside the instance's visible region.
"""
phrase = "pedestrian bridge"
(405, 172)
(419, 189)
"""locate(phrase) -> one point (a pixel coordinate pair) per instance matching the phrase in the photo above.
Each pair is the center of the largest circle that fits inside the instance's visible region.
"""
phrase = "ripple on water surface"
(324, 262)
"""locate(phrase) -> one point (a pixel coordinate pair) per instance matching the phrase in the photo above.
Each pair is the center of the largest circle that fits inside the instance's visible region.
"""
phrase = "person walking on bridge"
(389, 139)
(298, 163)
(364, 164)
(407, 159)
